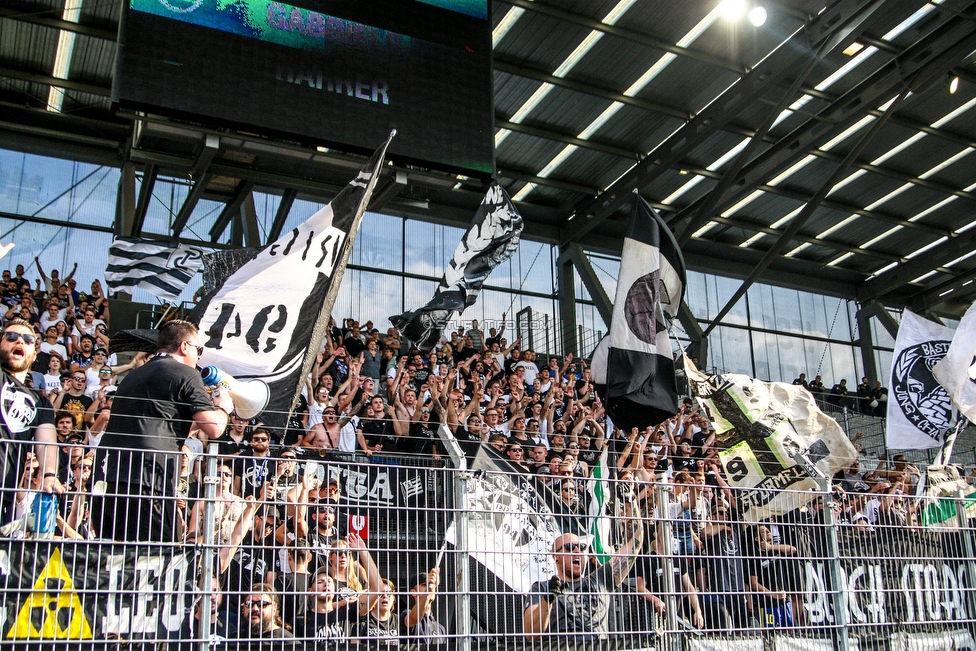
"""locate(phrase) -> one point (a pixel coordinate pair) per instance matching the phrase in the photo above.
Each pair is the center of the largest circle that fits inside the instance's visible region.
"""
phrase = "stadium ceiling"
(820, 150)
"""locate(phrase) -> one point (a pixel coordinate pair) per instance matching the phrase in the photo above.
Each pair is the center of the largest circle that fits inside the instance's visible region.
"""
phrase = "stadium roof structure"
(820, 150)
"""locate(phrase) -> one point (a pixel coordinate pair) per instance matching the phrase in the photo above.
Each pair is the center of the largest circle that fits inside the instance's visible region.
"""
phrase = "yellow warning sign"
(53, 610)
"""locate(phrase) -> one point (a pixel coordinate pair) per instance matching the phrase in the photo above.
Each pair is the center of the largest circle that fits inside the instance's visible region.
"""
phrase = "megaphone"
(250, 398)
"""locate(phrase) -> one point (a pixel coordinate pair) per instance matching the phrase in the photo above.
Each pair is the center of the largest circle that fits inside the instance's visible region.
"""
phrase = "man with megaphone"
(155, 408)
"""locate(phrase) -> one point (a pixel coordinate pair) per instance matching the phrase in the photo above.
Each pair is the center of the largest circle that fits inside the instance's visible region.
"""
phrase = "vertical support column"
(463, 563)
(249, 215)
(125, 209)
(837, 587)
(699, 342)
(866, 341)
(966, 535)
(567, 304)
(672, 640)
(207, 566)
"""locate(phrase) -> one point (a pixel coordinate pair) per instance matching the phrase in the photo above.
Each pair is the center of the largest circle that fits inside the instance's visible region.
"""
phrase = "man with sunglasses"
(574, 604)
(25, 415)
(155, 407)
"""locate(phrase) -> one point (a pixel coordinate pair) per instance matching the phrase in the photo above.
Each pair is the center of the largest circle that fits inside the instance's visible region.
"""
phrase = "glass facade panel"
(379, 243)
(729, 352)
(368, 296)
(773, 341)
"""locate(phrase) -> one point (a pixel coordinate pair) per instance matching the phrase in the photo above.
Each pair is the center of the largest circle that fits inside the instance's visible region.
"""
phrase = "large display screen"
(336, 72)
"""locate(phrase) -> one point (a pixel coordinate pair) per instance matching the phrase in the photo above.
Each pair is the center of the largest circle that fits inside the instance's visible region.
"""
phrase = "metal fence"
(332, 551)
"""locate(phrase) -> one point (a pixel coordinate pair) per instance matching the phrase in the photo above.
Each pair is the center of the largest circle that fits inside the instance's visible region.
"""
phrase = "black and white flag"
(161, 268)
(492, 238)
(640, 380)
(920, 410)
(267, 320)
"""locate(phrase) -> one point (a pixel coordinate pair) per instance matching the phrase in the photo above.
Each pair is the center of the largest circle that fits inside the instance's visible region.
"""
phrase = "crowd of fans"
(866, 399)
(288, 566)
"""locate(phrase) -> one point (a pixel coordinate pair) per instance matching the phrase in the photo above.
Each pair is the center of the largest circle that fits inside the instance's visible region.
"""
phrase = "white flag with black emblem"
(267, 320)
(161, 268)
(957, 371)
(640, 366)
(920, 411)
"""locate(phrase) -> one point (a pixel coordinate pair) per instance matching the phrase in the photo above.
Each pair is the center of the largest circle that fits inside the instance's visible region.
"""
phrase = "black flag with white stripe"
(641, 388)
(161, 268)
(267, 319)
(492, 238)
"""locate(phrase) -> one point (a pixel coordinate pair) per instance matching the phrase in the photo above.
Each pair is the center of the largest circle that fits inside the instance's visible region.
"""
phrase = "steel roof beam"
(811, 206)
(149, 175)
(924, 62)
(822, 29)
(959, 287)
(232, 208)
(917, 266)
(626, 34)
(196, 193)
(567, 139)
(56, 23)
(281, 215)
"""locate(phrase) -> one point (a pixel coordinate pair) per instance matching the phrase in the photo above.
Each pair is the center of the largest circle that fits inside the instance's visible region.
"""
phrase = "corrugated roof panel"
(543, 41)
(568, 111)
(93, 60)
(523, 151)
(27, 47)
(511, 92)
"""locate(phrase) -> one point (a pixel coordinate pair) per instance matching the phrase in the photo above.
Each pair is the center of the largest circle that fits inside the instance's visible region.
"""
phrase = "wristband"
(50, 474)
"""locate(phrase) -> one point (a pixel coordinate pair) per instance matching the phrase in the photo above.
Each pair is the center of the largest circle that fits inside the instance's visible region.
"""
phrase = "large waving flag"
(641, 388)
(492, 238)
(920, 410)
(266, 321)
(957, 370)
(759, 427)
(161, 268)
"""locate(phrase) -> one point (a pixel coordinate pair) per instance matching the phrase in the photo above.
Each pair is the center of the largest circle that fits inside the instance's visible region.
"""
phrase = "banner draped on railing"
(83, 591)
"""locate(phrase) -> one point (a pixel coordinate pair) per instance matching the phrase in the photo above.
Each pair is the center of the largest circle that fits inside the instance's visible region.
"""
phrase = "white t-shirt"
(52, 382)
(531, 370)
(57, 348)
(47, 320)
(347, 435)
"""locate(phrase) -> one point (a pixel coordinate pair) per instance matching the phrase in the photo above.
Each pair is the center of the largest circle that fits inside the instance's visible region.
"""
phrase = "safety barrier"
(332, 551)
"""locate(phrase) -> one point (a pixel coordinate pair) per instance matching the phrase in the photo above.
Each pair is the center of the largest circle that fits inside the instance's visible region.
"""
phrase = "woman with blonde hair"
(228, 509)
(347, 572)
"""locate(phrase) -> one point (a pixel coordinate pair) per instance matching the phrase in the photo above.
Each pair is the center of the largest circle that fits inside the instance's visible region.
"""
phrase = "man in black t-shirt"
(154, 409)
(25, 414)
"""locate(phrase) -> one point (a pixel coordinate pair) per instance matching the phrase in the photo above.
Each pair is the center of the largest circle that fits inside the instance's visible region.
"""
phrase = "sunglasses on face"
(259, 439)
(257, 604)
(12, 337)
(573, 547)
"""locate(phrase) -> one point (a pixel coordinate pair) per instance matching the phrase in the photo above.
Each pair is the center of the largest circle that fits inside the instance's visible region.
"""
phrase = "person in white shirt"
(52, 379)
(53, 312)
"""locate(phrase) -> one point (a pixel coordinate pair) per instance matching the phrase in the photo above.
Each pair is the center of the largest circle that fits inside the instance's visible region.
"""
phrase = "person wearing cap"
(419, 624)
(574, 601)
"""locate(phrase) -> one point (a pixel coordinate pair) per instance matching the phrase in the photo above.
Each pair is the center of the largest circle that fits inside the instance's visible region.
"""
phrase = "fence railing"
(327, 551)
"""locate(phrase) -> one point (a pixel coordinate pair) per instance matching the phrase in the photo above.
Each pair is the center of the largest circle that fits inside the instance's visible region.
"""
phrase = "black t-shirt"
(76, 406)
(423, 439)
(153, 411)
(254, 471)
(373, 633)
(326, 629)
(22, 410)
(380, 431)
